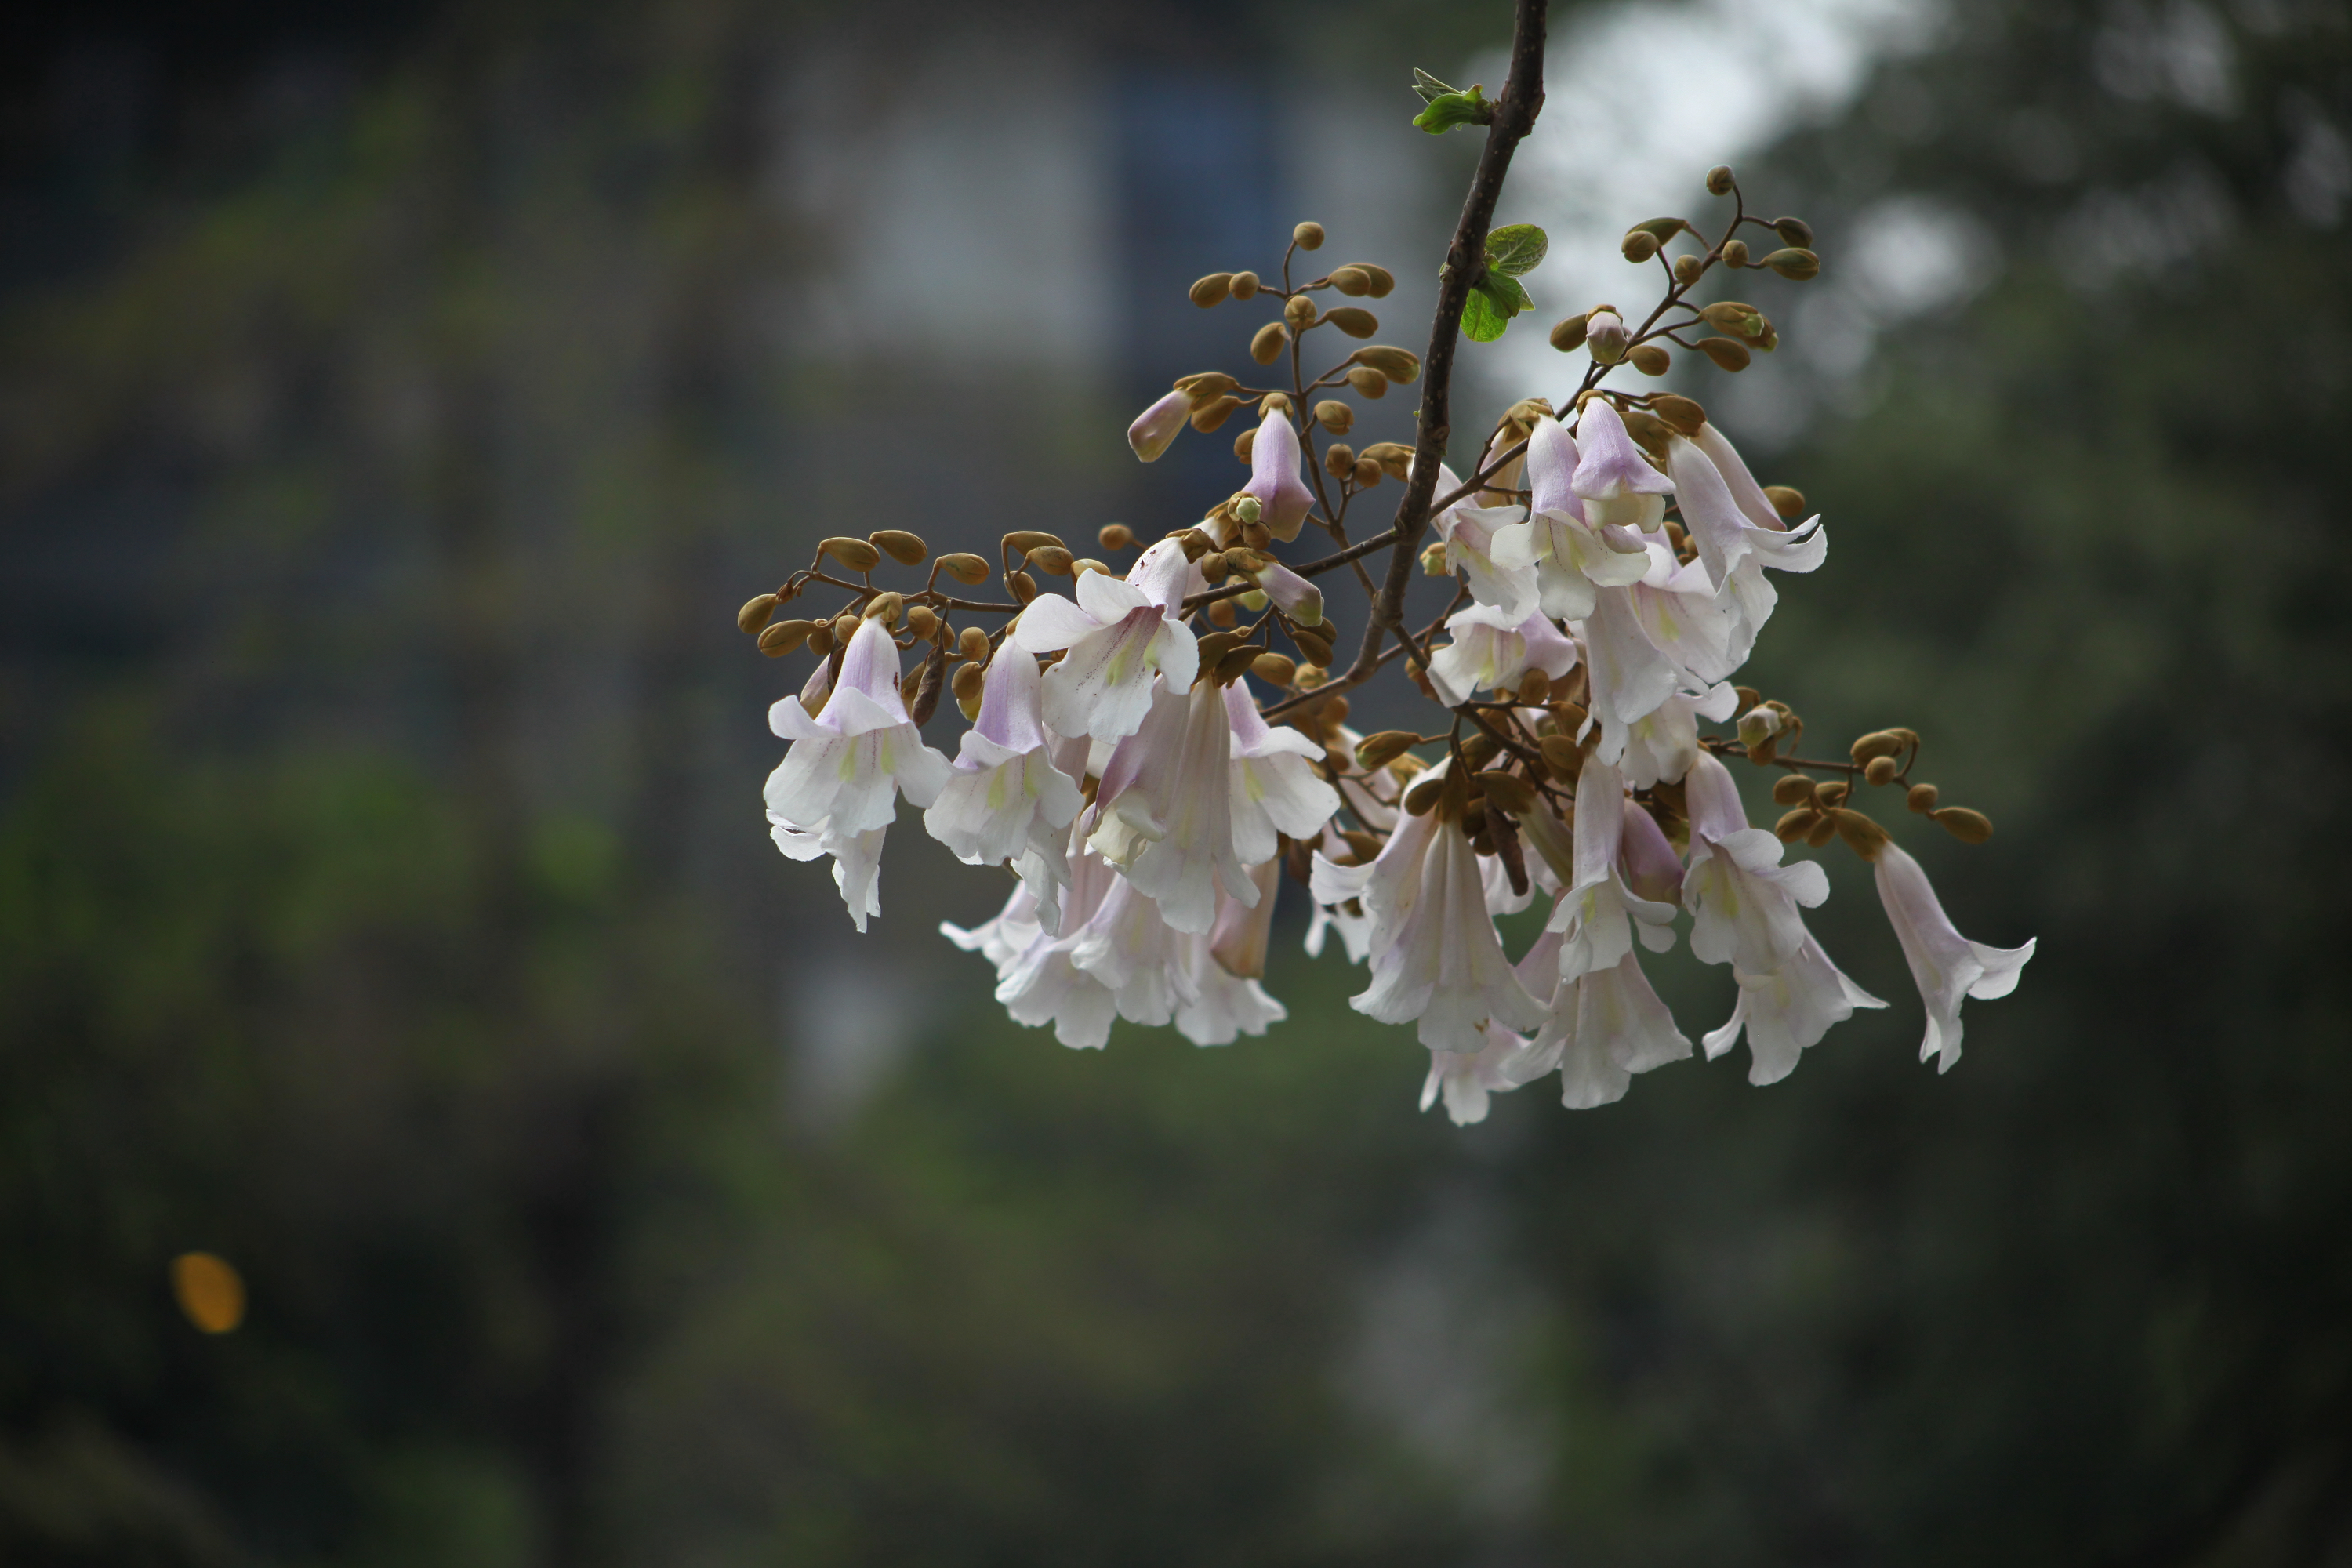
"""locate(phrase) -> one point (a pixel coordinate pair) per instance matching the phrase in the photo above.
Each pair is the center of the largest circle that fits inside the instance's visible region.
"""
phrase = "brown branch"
(1466, 263)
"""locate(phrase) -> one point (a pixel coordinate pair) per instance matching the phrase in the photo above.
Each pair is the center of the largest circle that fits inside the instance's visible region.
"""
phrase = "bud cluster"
(1155, 746)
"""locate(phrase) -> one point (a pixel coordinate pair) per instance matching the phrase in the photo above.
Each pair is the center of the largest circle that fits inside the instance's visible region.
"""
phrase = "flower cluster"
(1151, 764)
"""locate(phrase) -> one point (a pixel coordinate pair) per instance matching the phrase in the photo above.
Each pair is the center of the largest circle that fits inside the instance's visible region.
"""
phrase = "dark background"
(396, 402)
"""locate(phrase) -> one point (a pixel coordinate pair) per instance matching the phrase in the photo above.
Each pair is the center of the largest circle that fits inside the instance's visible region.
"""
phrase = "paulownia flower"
(1744, 900)
(1159, 425)
(1946, 966)
(1118, 634)
(1787, 1012)
(1569, 557)
(1273, 476)
(1491, 648)
(1005, 799)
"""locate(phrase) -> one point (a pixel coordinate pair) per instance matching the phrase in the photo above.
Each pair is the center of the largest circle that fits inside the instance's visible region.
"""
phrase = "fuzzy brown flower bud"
(1787, 502)
(1968, 826)
(755, 613)
(1354, 320)
(1243, 286)
(781, 638)
(1569, 336)
(854, 554)
(1719, 180)
(1401, 366)
(1214, 289)
(964, 567)
(1922, 798)
(1307, 236)
(1267, 346)
(1649, 359)
(1115, 536)
(906, 549)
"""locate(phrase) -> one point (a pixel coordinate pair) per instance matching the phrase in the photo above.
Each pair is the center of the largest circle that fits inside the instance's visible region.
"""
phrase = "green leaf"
(1516, 248)
(1492, 304)
(1452, 109)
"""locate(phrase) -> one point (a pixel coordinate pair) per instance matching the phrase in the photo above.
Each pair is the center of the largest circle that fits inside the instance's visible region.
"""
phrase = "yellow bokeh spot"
(209, 1291)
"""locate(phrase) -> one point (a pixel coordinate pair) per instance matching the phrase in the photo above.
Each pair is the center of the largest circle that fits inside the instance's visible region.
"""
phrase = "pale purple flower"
(1159, 425)
(1744, 900)
(1569, 557)
(1275, 789)
(1598, 1029)
(1467, 1079)
(1445, 967)
(1612, 477)
(1273, 476)
(837, 787)
(1598, 914)
(1946, 966)
(1472, 535)
(1733, 549)
(1788, 1011)
(1119, 634)
(1006, 798)
(1660, 746)
(1491, 648)
(1165, 806)
(1301, 600)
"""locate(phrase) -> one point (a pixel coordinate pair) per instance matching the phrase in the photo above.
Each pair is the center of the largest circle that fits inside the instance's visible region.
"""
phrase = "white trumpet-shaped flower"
(1660, 747)
(1036, 981)
(1597, 913)
(1946, 966)
(1472, 536)
(1787, 1012)
(1166, 807)
(1744, 900)
(1614, 480)
(1598, 1029)
(1005, 799)
(837, 787)
(1733, 547)
(1282, 495)
(1466, 1080)
(1445, 968)
(1275, 789)
(1492, 648)
(1569, 557)
(1119, 634)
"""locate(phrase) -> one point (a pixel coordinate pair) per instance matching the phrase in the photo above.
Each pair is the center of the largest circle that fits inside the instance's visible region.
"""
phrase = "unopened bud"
(1340, 460)
(1535, 687)
(1922, 798)
(1383, 278)
(1052, 559)
(1968, 826)
(1569, 336)
(1687, 269)
(1314, 645)
(1757, 726)
(1725, 354)
(854, 554)
(1352, 282)
(968, 683)
(1745, 322)
(1508, 791)
(1115, 536)
(1823, 829)
(1335, 417)
(1881, 770)
(1832, 792)
(1368, 473)
(1274, 669)
(1354, 320)
(1299, 312)
(964, 567)
(1214, 289)
(1400, 365)
(1267, 346)
(1649, 359)
(922, 620)
(1307, 236)
(1024, 586)
(1394, 456)
(1878, 744)
(1604, 335)
(1209, 416)
(1571, 717)
(1422, 795)
(1205, 384)
(906, 549)
(1433, 563)
(1638, 245)
(781, 638)
(1793, 790)
(820, 640)
(845, 627)
(1735, 252)
(1085, 563)
(885, 608)
(1796, 825)
(1243, 285)
(1649, 432)
(1787, 502)
(1245, 443)
(1862, 836)
(1794, 231)
(1718, 180)
(1022, 540)
(1368, 382)
(1796, 264)
(1683, 414)
(1235, 664)
(972, 646)
(755, 613)
(1377, 751)
(1216, 569)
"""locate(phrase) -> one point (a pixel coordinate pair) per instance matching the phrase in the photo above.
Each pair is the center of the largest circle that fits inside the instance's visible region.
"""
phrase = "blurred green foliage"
(323, 947)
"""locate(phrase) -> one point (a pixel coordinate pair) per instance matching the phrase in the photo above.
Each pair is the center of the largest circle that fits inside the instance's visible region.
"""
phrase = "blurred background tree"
(395, 411)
